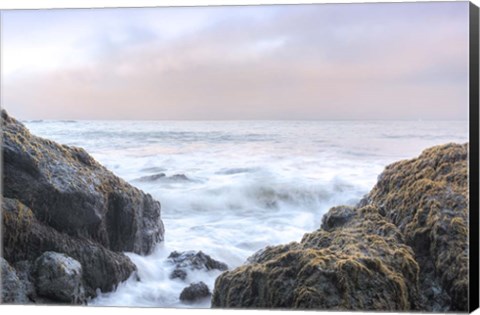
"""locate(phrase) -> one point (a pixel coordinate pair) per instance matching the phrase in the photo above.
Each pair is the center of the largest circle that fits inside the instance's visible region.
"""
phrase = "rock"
(336, 217)
(178, 274)
(59, 277)
(338, 269)
(25, 239)
(270, 252)
(13, 290)
(427, 198)
(404, 247)
(193, 261)
(24, 273)
(195, 291)
(69, 191)
(58, 198)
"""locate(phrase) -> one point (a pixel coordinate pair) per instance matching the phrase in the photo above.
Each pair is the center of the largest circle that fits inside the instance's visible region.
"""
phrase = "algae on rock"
(403, 247)
(58, 198)
(71, 192)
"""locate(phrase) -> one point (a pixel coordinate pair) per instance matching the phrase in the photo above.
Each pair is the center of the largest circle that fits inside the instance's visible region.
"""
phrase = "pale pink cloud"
(296, 62)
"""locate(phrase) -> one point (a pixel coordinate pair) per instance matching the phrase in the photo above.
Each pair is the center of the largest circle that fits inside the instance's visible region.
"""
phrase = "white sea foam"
(250, 183)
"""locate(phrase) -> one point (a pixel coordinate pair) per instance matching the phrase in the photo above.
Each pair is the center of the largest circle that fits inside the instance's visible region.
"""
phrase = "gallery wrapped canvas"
(295, 157)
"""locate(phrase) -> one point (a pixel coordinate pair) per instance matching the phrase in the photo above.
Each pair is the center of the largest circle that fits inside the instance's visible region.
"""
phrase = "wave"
(163, 177)
(34, 121)
(238, 170)
(153, 169)
(184, 136)
(259, 195)
(68, 121)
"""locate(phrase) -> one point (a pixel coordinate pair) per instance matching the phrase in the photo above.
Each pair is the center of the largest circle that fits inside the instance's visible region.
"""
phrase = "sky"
(322, 61)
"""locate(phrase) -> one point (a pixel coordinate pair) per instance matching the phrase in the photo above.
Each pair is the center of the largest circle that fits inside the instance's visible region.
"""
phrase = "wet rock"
(359, 265)
(24, 273)
(427, 198)
(25, 238)
(59, 277)
(12, 288)
(69, 191)
(336, 217)
(191, 260)
(58, 198)
(270, 252)
(195, 291)
(196, 260)
(178, 274)
(403, 247)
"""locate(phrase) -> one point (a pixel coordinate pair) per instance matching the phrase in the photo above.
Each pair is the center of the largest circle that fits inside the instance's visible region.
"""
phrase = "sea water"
(245, 184)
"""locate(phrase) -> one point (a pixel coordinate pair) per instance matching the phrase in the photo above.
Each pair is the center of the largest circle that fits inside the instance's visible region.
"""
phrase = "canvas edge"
(474, 159)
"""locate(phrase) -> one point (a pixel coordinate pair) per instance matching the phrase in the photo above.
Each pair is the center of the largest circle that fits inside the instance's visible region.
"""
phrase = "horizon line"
(254, 119)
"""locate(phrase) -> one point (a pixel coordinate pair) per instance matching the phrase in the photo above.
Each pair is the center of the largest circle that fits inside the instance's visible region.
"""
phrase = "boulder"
(191, 260)
(58, 198)
(59, 277)
(427, 198)
(24, 273)
(358, 265)
(404, 247)
(69, 191)
(25, 238)
(12, 288)
(178, 273)
(195, 291)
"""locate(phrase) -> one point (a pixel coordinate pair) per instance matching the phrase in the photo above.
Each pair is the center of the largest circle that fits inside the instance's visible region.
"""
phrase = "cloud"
(387, 61)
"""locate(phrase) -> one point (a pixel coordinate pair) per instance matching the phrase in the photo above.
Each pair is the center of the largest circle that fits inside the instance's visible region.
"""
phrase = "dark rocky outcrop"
(12, 288)
(58, 198)
(24, 273)
(195, 291)
(59, 277)
(71, 192)
(25, 239)
(427, 198)
(178, 273)
(403, 247)
(336, 270)
(191, 260)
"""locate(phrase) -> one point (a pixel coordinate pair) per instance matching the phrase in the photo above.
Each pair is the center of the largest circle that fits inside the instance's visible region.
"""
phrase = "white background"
(26, 4)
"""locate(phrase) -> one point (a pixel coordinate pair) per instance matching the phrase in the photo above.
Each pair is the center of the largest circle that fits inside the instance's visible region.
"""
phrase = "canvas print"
(257, 157)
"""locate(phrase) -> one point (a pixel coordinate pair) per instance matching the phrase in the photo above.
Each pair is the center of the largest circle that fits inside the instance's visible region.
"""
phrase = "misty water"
(247, 184)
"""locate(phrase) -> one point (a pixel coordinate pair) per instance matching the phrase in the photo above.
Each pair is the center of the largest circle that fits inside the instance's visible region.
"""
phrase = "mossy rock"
(25, 239)
(348, 267)
(403, 247)
(68, 190)
(427, 198)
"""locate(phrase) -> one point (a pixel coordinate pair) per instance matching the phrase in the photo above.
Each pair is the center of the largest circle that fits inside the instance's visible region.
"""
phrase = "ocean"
(231, 188)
